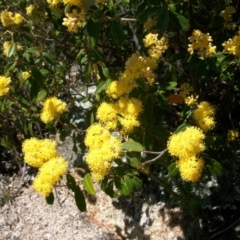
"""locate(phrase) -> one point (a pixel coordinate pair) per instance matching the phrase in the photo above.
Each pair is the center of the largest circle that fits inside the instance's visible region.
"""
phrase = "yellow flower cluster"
(232, 135)
(4, 85)
(103, 149)
(52, 107)
(43, 155)
(184, 91)
(137, 67)
(26, 75)
(186, 146)
(74, 20)
(29, 9)
(8, 18)
(233, 45)
(201, 43)
(227, 15)
(156, 47)
(37, 152)
(125, 111)
(49, 174)
(204, 115)
(149, 24)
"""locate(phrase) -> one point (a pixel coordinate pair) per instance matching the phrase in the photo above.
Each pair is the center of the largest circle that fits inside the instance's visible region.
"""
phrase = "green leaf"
(71, 183)
(10, 66)
(214, 166)
(33, 50)
(50, 58)
(117, 33)
(41, 95)
(80, 199)
(132, 146)
(88, 184)
(107, 187)
(137, 182)
(181, 128)
(50, 199)
(93, 28)
(172, 170)
(169, 86)
(11, 49)
(5, 142)
(129, 183)
(121, 185)
(102, 86)
(201, 70)
(30, 129)
(184, 22)
(162, 21)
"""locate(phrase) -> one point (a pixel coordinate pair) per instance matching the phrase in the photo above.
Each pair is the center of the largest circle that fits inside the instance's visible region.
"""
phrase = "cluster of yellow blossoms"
(156, 47)
(204, 115)
(125, 111)
(227, 15)
(4, 85)
(232, 135)
(43, 155)
(9, 18)
(137, 67)
(103, 149)
(233, 45)
(52, 107)
(185, 91)
(187, 145)
(201, 43)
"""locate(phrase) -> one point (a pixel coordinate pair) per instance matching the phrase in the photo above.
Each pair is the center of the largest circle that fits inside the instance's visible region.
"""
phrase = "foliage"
(166, 73)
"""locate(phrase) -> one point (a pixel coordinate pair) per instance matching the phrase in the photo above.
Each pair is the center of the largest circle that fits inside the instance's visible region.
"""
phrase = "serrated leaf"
(172, 170)
(80, 199)
(50, 199)
(88, 184)
(71, 183)
(132, 146)
(214, 166)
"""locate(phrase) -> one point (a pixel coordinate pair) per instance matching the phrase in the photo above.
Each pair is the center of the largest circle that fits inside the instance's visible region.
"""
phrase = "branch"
(160, 154)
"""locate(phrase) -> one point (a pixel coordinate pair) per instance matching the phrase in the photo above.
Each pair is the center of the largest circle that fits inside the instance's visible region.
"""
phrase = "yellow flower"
(190, 168)
(96, 135)
(29, 9)
(107, 114)
(204, 115)
(36, 152)
(191, 100)
(187, 143)
(233, 45)
(49, 174)
(73, 2)
(232, 135)
(4, 85)
(149, 24)
(201, 43)
(53, 2)
(52, 107)
(74, 20)
(8, 18)
(26, 75)
(157, 47)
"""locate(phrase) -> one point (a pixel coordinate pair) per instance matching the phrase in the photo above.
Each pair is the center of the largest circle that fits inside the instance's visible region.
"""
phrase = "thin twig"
(155, 159)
